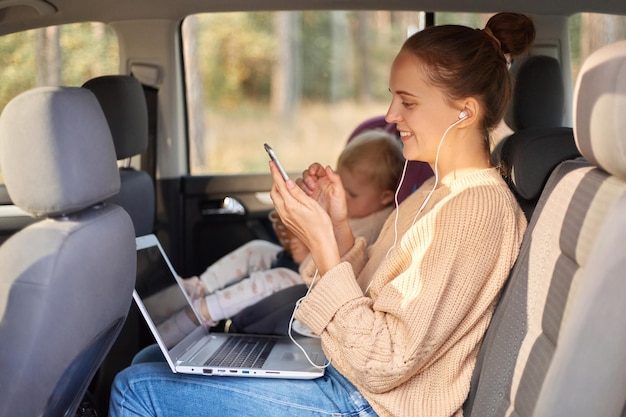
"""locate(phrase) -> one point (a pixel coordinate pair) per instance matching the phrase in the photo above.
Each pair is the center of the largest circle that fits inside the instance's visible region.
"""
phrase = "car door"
(221, 213)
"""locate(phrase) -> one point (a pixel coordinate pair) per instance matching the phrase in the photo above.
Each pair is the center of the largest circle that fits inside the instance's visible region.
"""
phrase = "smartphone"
(274, 158)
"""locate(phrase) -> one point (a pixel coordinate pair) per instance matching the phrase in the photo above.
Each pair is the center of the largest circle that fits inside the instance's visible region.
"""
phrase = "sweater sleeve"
(436, 289)
(356, 257)
(365, 231)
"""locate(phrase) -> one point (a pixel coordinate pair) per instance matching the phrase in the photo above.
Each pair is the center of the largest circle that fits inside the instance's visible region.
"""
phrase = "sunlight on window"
(300, 81)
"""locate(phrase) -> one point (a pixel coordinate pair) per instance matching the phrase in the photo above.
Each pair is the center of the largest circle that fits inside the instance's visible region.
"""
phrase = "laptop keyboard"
(242, 352)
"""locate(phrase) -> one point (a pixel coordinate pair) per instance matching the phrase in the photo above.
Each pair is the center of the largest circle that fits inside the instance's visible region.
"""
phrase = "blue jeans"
(152, 389)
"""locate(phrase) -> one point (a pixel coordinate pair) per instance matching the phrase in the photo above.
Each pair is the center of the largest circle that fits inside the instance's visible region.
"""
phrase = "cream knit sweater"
(410, 344)
(369, 227)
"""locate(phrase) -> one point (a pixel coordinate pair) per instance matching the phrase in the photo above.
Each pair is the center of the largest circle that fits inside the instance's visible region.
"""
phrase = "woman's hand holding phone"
(305, 217)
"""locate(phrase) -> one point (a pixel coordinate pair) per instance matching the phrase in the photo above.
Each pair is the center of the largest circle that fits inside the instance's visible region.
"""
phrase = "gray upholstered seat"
(66, 281)
(123, 102)
(557, 342)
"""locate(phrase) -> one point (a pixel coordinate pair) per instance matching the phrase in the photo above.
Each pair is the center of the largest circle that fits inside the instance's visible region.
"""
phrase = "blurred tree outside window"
(298, 80)
(303, 80)
(590, 31)
(65, 55)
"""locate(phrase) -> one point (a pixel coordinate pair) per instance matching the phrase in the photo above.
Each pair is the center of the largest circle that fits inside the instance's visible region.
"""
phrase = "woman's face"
(418, 108)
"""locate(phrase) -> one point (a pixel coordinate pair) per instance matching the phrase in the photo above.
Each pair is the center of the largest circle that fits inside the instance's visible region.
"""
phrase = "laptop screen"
(160, 293)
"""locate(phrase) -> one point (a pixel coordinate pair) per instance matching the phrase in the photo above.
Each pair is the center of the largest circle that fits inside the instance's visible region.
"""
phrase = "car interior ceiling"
(17, 14)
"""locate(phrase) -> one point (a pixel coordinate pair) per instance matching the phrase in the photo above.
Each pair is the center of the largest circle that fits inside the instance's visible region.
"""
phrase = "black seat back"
(538, 94)
(530, 155)
(540, 141)
(123, 102)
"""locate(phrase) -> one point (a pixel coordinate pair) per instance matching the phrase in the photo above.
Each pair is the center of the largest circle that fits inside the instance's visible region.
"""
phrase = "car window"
(590, 31)
(300, 81)
(58, 55)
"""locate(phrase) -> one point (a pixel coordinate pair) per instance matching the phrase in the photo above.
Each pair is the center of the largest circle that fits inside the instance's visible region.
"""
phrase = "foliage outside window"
(590, 31)
(298, 80)
(58, 55)
(301, 81)
(65, 55)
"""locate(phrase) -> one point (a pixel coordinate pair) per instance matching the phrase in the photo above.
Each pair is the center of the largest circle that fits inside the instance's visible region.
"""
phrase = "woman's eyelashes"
(408, 101)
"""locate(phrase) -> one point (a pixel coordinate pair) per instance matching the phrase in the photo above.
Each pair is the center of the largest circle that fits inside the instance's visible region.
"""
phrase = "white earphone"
(462, 116)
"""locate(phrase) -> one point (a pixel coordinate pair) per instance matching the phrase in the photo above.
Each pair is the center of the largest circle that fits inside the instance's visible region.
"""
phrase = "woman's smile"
(405, 136)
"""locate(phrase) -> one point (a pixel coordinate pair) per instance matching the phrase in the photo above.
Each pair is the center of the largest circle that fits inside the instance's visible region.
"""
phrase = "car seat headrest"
(124, 104)
(538, 98)
(56, 151)
(531, 157)
(599, 109)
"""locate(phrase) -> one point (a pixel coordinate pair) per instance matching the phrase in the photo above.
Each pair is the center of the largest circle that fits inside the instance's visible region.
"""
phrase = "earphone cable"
(291, 320)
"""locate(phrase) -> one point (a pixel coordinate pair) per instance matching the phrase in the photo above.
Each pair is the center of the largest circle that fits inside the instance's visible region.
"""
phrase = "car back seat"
(556, 345)
(528, 158)
(123, 102)
(538, 94)
(124, 105)
(540, 141)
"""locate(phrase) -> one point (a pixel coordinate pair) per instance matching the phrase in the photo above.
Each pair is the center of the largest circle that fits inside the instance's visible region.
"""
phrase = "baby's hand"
(298, 250)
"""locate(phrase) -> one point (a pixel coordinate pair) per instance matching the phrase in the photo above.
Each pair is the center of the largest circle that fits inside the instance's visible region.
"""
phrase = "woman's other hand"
(325, 186)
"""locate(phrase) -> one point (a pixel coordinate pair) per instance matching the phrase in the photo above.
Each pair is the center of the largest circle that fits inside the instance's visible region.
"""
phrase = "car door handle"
(228, 205)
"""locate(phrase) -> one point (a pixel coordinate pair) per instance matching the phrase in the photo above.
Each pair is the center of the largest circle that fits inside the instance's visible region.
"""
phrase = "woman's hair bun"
(514, 31)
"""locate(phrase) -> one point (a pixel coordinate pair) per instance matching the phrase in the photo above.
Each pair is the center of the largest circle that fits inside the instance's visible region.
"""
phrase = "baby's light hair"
(377, 155)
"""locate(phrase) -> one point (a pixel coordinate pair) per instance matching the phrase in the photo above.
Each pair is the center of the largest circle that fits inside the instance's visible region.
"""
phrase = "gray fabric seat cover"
(66, 281)
(557, 342)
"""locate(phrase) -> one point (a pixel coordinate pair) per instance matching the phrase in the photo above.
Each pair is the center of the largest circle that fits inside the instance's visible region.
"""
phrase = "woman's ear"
(470, 108)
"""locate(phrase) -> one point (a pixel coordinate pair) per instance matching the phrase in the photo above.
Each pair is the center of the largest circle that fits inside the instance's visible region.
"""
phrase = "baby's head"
(370, 167)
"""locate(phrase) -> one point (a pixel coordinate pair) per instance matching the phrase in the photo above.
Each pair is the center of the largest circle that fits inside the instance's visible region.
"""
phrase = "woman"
(400, 321)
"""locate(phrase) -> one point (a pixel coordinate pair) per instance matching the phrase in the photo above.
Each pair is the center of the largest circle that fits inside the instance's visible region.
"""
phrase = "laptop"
(159, 294)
